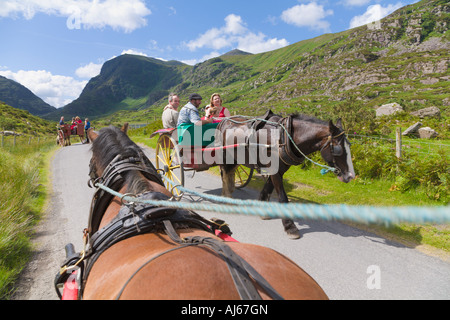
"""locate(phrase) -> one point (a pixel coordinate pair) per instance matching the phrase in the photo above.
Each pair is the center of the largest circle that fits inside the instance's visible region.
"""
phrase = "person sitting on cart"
(215, 109)
(170, 113)
(189, 122)
(61, 121)
(75, 122)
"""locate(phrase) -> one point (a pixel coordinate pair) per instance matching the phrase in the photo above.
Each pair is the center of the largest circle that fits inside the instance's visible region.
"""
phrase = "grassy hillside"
(22, 121)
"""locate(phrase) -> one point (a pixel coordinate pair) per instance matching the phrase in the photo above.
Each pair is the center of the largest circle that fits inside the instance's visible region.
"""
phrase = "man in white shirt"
(170, 113)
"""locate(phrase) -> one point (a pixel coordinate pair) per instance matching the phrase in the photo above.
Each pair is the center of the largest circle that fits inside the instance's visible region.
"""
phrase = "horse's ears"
(335, 128)
(125, 128)
(92, 134)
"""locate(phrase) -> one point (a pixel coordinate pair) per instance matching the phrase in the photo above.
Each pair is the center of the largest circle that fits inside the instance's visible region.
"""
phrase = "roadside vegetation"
(24, 189)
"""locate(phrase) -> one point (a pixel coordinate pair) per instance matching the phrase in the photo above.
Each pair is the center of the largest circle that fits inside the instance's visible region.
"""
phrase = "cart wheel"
(242, 176)
(61, 138)
(168, 159)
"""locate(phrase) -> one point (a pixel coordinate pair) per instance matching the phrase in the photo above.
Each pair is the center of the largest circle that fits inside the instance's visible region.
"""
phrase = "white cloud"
(356, 3)
(309, 15)
(374, 13)
(56, 90)
(89, 71)
(173, 11)
(235, 34)
(234, 25)
(117, 14)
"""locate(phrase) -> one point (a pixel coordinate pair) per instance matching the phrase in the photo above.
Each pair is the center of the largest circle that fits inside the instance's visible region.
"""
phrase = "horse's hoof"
(293, 233)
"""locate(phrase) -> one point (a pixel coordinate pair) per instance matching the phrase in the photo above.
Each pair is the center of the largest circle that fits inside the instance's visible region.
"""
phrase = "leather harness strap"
(286, 152)
(241, 271)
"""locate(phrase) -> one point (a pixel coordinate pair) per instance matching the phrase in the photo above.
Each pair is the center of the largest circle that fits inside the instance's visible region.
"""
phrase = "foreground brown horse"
(158, 264)
(309, 135)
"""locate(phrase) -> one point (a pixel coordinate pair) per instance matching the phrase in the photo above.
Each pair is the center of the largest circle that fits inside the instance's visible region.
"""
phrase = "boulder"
(388, 109)
(427, 112)
(10, 133)
(427, 133)
(412, 129)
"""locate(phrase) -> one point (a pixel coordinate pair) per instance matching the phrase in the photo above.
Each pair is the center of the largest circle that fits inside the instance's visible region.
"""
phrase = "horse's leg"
(227, 172)
(288, 224)
(266, 191)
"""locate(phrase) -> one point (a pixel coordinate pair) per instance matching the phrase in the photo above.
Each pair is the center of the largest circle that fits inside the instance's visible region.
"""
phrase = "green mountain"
(403, 58)
(121, 82)
(16, 95)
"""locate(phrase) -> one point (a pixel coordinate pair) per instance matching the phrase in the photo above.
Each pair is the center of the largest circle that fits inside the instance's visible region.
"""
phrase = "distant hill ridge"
(15, 94)
(236, 52)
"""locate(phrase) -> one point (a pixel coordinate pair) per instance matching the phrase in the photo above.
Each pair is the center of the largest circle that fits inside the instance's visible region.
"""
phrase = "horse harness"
(140, 218)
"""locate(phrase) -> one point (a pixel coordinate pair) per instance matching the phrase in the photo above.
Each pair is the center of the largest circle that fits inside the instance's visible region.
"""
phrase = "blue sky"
(54, 47)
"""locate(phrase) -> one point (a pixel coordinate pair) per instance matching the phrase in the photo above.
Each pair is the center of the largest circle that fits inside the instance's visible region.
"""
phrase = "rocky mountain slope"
(403, 58)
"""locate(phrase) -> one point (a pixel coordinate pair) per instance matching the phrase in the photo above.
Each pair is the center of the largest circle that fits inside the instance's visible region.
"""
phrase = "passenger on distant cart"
(75, 122)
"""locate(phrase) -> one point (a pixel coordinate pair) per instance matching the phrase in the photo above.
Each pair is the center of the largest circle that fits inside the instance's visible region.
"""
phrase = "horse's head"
(115, 154)
(107, 144)
(336, 152)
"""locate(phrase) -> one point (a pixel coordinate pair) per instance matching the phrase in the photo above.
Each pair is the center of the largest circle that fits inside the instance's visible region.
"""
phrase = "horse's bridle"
(335, 150)
(113, 179)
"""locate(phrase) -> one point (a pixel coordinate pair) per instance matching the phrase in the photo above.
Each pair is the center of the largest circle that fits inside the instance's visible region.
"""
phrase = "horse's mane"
(110, 142)
(308, 118)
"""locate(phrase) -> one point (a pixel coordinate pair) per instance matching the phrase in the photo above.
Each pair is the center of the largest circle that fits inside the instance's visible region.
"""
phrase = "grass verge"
(24, 184)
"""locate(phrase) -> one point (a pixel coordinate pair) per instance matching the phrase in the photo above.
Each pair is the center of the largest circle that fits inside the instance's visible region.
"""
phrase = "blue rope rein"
(361, 214)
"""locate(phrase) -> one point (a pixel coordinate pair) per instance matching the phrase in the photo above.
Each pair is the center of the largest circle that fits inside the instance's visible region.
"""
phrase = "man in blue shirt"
(191, 127)
(189, 113)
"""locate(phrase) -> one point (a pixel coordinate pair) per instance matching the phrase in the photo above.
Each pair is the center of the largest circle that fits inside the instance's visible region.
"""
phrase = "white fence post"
(398, 143)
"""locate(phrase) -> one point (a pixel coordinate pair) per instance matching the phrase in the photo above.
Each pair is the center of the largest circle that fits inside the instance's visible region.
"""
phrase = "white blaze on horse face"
(351, 172)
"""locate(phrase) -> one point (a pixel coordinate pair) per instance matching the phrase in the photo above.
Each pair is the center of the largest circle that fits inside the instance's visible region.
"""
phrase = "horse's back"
(151, 266)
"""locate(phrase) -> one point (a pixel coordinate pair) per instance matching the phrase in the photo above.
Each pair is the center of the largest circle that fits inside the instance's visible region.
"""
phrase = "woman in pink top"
(215, 108)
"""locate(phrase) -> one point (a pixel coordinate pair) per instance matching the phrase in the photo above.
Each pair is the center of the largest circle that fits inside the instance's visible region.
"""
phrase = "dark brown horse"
(143, 251)
(268, 137)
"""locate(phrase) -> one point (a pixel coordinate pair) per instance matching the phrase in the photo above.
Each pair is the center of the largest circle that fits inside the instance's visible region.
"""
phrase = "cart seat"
(80, 129)
(191, 135)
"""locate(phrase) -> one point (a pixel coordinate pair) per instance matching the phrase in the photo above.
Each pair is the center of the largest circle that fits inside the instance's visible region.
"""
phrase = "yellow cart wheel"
(168, 159)
(242, 176)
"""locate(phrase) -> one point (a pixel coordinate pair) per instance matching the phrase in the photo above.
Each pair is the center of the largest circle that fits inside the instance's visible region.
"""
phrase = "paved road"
(348, 263)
